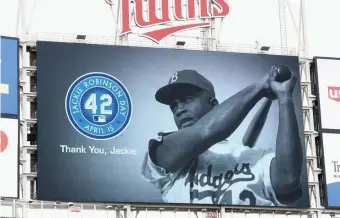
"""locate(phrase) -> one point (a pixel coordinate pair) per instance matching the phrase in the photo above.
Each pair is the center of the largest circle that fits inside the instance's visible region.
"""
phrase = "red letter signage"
(206, 10)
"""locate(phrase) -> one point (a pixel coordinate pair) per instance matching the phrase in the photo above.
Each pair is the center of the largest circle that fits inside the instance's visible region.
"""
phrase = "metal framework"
(208, 40)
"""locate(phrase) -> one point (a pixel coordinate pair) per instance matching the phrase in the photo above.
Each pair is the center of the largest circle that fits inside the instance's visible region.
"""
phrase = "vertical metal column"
(311, 160)
(283, 28)
(213, 40)
(24, 18)
(23, 124)
(314, 171)
(303, 49)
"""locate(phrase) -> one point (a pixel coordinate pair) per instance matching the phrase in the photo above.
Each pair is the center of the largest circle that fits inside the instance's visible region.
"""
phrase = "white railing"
(192, 43)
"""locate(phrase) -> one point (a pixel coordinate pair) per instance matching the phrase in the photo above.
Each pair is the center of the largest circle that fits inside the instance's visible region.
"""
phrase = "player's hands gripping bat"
(256, 125)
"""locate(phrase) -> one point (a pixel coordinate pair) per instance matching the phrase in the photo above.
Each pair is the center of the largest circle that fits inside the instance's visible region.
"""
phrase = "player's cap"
(181, 80)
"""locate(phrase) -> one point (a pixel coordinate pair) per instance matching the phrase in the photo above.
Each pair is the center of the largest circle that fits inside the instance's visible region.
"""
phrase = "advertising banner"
(9, 72)
(332, 168)
(328, 75)
(9, 162)
(150, 125)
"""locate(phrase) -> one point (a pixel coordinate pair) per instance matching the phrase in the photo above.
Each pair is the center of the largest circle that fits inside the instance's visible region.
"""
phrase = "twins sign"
(189, 18)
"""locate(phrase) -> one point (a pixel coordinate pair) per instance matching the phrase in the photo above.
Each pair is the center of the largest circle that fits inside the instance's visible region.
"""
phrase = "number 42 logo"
(98, 106)
(106, 101)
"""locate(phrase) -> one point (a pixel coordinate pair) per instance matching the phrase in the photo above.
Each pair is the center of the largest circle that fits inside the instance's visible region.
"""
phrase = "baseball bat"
(256, 125)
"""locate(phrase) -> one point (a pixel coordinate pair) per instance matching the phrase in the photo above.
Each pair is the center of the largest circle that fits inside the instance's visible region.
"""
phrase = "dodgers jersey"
(240, 176)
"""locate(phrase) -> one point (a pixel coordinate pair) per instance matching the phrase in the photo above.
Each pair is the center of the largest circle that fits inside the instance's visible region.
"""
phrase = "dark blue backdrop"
(117, 178)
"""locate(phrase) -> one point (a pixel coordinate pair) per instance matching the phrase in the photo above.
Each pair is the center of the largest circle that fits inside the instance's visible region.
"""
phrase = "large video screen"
(328, 76)
(9, 117)
(9, 72)
(332, 168)
(151, 125)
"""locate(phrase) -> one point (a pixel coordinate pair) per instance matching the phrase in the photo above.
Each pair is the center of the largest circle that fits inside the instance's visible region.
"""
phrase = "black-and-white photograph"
(152, 125)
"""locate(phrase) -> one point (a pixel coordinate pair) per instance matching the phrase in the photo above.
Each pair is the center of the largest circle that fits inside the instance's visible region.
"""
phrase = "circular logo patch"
(98, 106)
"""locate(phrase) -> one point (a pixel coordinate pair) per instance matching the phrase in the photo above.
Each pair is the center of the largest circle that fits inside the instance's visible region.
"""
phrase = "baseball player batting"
(181, 166)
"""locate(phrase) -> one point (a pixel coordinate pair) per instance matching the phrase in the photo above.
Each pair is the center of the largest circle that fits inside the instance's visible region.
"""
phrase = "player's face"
(188, 108)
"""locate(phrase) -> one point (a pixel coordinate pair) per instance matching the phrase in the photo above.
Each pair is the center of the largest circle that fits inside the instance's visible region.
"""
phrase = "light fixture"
(180, 43)
(264, 48)
(81, 37)
(261, 48)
